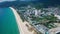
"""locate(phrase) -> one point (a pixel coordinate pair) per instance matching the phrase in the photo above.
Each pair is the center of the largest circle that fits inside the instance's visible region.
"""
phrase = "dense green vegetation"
(46, 20)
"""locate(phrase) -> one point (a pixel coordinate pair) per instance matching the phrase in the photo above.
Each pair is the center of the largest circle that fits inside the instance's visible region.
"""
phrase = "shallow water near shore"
(8, 24)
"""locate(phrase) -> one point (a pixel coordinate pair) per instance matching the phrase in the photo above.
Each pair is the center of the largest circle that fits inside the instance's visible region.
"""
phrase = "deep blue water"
(8, 24)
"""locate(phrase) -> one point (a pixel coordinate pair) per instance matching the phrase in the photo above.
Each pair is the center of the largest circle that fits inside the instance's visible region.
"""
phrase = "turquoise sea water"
(8, 23)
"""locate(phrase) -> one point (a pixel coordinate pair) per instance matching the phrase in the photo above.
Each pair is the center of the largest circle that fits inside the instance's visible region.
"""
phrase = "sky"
(27, 0)
(33, 0)
(14, 0)
(6, 0)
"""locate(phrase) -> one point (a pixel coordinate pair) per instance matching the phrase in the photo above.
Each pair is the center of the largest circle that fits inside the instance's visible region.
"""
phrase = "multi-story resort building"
(42, 20)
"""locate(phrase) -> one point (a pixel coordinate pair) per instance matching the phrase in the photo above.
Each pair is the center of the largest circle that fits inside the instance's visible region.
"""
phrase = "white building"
(41, 28)
(54, 30)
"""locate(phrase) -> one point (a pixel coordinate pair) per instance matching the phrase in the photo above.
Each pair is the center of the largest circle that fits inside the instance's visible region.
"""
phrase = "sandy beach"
(21, 25)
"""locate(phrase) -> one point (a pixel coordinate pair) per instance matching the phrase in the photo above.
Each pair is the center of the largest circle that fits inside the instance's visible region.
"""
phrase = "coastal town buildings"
(42, 20)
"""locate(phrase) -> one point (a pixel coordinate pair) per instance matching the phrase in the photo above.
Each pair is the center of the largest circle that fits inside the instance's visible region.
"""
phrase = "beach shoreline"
(21, 26)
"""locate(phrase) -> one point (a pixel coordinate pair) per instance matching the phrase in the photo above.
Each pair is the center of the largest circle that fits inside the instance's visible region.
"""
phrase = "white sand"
(22, 28)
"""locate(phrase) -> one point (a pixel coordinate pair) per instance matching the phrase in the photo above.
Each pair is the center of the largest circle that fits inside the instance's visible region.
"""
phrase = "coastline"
(21, 25)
